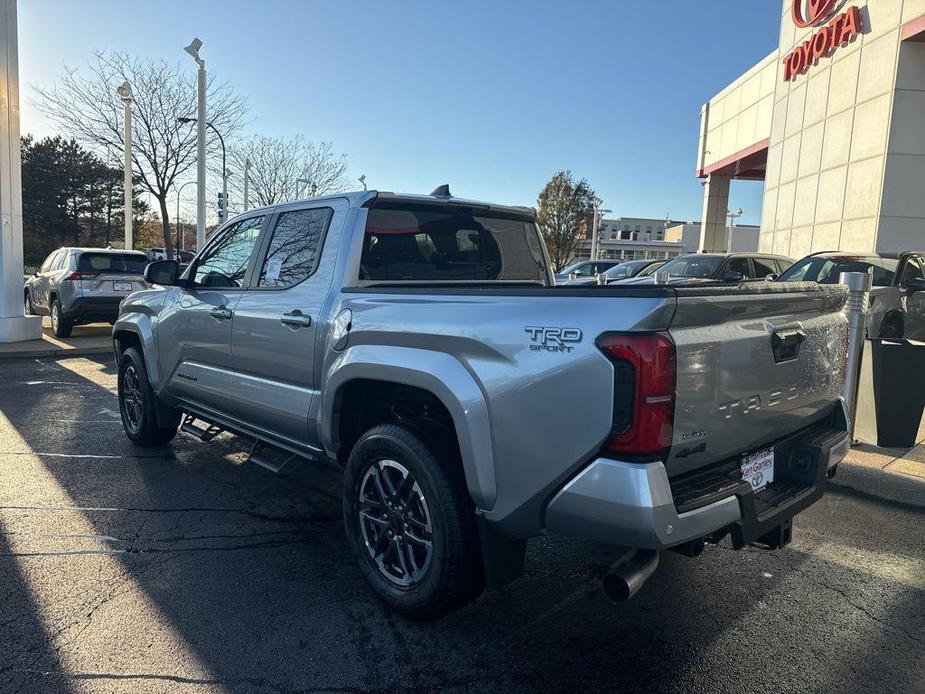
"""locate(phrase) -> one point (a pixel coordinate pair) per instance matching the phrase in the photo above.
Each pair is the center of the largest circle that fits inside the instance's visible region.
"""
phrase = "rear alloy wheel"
(410, 521)
(395, 522)
(60, 325)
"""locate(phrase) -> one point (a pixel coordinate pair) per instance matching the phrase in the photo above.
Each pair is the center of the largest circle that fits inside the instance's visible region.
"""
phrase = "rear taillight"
(645, 379)
(81, 275)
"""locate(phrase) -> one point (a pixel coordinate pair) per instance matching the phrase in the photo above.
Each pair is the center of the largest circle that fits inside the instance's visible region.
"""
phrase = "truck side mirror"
(163, 272)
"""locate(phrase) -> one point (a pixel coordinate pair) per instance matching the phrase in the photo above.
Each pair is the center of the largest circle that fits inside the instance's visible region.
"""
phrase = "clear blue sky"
(491, 96)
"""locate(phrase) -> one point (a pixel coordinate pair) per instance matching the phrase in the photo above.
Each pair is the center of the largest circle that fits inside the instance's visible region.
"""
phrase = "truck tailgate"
(754, 363)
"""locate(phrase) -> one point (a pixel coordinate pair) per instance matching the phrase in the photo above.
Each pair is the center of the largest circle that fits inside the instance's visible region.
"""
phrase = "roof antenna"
(442, 191)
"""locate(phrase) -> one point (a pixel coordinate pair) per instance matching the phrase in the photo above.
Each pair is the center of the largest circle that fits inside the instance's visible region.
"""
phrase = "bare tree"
(86, 107)
(278, 164)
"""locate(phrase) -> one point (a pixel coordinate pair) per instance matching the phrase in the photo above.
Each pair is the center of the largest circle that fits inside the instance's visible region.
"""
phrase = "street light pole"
(224, 166)
(733, 216)
(179, 233)
(193, 50)
(125, 92)
(247, 184)
(595, 241)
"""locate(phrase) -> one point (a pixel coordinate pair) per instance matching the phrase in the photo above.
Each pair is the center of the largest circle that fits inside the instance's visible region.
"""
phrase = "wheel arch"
(384, 370)
(135, 331)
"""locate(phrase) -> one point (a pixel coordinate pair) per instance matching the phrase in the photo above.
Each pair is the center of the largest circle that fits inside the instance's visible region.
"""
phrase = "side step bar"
(266, 455)
(203, 434)
(270, 458)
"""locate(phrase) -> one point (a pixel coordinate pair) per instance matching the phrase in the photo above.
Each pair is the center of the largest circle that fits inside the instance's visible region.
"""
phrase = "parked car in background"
(155, 254)
(621, 271)
(585, 269)
(722, 267)
(417, 341)
(83, 285)
(897, 297)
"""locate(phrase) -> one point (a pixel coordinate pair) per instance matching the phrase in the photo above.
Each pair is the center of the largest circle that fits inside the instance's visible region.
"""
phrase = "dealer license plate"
(122, 286)
(758, 469)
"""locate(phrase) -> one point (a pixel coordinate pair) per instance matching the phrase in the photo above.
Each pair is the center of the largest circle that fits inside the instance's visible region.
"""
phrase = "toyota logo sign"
(817, 11)
(840, 30)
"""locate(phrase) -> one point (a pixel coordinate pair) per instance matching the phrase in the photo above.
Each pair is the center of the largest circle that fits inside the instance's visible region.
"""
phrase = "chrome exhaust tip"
(627, 578)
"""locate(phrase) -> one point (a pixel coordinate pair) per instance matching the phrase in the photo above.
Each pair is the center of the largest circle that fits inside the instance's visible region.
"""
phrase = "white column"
(201, 159)
(713, 220)
(14, 326)
(127, 183)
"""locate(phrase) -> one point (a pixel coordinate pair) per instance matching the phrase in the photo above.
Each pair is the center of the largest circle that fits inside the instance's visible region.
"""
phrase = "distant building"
(635, 229)
(744, 237)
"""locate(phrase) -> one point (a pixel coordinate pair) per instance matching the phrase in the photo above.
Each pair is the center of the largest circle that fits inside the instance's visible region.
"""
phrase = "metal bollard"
(858, 284)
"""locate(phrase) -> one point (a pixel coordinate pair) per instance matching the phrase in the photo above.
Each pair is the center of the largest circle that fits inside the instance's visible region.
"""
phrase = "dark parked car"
(589, 269)
(625, 270)
(732, 267)
(897, 299)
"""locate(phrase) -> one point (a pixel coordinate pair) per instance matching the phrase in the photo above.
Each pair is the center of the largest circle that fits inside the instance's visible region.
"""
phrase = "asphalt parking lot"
(184, 570)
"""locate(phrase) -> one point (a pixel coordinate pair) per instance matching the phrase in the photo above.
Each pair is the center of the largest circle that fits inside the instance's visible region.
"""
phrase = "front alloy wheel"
(395, 522)
(132, 399)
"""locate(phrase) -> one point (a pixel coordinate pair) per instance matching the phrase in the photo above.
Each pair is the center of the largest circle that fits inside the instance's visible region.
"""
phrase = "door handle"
(221, 313)
(296, 319)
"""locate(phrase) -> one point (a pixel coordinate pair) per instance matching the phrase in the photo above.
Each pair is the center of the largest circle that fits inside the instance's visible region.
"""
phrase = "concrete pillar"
(14, 326)
(715, 207)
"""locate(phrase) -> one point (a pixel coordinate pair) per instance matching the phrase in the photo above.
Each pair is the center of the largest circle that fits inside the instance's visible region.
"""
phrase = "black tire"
(28, 308)
(138, 403)
(891, 329)
(60, 325)
(453, 574)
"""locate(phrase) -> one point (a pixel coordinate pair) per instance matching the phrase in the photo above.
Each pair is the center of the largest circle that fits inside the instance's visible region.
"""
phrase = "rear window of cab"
(407, 242)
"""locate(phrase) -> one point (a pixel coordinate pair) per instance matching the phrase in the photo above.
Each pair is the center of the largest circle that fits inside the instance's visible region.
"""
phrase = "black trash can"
(891, 393)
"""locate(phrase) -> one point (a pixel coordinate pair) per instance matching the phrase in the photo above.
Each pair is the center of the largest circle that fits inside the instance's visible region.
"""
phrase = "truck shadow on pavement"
(231, 577)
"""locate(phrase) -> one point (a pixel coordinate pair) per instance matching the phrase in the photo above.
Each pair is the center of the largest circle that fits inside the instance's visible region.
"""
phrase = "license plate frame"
(758, 469)
(122, 286)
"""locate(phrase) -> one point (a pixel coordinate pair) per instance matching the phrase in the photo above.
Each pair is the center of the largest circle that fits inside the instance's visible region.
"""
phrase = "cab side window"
(295, 247)
(739, 265)
(912, 271)
(763, 267)
(46, 266)
(224, 264)
(59, 261)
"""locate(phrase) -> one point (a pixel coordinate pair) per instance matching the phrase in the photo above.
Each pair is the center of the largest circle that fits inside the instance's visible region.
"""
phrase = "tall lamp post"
(313, 187)
(595, 241)
(224, 167)
(247, 184)
(193, 50)
(124, 90)
(733, 216)
(179, 243)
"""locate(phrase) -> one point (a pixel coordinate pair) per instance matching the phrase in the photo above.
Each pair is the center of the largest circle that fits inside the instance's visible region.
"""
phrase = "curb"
(55, 352)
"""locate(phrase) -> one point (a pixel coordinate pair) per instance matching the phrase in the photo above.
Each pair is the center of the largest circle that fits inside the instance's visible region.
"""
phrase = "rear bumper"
(637, 505)
(88, 309)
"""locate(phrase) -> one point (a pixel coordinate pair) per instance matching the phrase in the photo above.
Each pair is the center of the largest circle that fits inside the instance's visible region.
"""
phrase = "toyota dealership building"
(833, 122)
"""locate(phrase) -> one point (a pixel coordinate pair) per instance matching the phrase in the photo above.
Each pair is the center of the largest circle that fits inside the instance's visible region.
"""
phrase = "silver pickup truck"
(419, 342)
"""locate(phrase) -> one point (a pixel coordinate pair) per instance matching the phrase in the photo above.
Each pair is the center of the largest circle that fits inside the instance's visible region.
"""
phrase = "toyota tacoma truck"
(421, 343)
